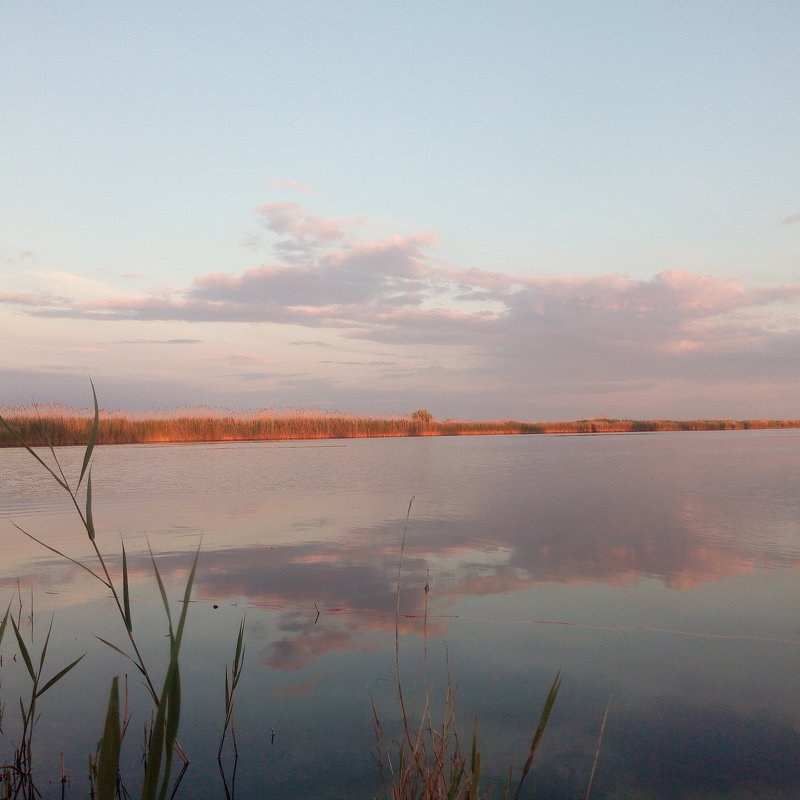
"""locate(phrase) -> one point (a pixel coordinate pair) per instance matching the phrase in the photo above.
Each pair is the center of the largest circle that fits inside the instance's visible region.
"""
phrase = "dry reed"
(62, 427)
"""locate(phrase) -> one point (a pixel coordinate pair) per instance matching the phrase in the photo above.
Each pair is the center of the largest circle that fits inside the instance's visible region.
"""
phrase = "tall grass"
(61, 427)
(427, 762)
(162, 734)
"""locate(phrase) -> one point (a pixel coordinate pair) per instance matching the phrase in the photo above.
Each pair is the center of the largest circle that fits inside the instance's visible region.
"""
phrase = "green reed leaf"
(239, 654)
(126, 597)
(238, 658)
(475, 763)
(187, 595)
(92, 438)
(4, 622)
(89, 517)
(507, 789)
(54, 456)
(122, 653)
(155, 752)
(110, 745)
(455, 783)
(23, 651)
(165, 727)
(44, 647)
(13, 431)
(172, 722)
(58, 676)
(163, 593)
(63, 555)
(537, 737)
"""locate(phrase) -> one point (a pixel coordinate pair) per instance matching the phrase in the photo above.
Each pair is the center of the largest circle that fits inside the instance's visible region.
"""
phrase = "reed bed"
(64, 428)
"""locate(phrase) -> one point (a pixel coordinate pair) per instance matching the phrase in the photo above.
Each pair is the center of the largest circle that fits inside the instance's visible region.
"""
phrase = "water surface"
(659, 570)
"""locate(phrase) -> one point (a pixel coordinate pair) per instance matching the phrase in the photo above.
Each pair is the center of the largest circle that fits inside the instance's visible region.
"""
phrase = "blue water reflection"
(658, 570)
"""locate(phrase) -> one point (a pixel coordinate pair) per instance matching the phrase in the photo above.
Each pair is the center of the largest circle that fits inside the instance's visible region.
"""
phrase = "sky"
(538, 210)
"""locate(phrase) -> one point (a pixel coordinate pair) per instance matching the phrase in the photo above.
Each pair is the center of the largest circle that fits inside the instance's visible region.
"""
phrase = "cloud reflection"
(351, 581)
(500, 520)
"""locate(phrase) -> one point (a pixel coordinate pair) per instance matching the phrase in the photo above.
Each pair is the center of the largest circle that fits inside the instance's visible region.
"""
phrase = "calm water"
(659, 570)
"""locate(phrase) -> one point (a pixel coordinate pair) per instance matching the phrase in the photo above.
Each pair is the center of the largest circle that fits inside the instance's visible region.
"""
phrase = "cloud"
(34, 299)
(361, 363)
(252, 376)
(85, 350)
(492, 333)
(281, 183)
(25, 256)
(294, 689)
(388, 273)
(291, 219)
(791, 219)
(161, 341)
(387, 291)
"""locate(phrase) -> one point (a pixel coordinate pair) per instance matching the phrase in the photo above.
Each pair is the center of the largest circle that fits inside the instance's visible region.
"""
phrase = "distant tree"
(422, 416)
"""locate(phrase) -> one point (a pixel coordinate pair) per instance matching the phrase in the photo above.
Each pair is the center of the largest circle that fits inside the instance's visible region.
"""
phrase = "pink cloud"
(388, 290)
(293, 220)
(281, 183)
(501, 330)
(32, 299)
(18, 258)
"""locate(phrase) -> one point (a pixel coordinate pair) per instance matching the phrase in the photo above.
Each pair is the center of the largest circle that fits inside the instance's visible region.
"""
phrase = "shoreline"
(73, 430)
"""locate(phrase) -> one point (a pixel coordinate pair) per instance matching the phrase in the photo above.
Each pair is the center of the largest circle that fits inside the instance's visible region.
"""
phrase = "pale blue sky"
(621, 178)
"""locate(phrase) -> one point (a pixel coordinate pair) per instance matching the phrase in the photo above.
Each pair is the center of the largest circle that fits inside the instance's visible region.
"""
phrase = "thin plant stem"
(597, 752)
(397, 624)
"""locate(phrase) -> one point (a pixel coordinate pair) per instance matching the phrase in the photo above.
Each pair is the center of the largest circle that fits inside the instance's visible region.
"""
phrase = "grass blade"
(110, 744)
(476, 764)
(238, 660)
(537, 737)
(165, 727)
(3, 623)
(171, 723)
(239, 655)
(163, 594)
(63, 555)
(155, 752)
(92, 439)
(507, 789)
(57, 677)
(230, 689)
(45, 646)
(89, 518)
(187, 594)
(24, 651)
(19, 438)
(126, 598)
(120, 651)
(597, 752)
(48, 439)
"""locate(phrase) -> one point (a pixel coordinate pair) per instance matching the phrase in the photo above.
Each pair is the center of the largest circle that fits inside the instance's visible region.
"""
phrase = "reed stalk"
(427, 763)
(162, 735)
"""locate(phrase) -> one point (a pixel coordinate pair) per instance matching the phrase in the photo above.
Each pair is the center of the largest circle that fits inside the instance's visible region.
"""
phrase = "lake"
(657, 571)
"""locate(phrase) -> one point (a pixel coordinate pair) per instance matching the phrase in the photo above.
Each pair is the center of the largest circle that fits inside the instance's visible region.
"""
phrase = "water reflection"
(653, 568)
